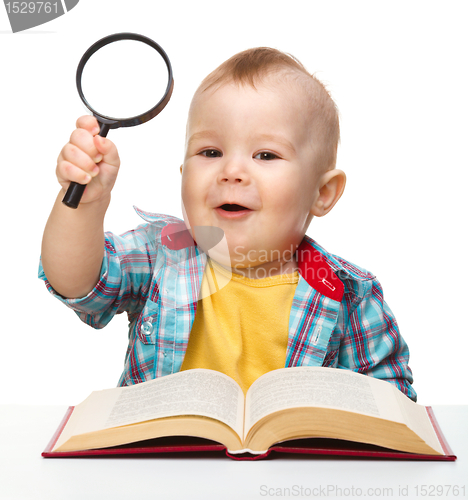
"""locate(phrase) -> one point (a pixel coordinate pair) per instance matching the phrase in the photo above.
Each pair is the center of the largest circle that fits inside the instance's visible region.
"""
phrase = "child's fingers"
(68, 172)
(88, 123)
(79, 158)
(83, 140)
(78, 161)
(108, 149)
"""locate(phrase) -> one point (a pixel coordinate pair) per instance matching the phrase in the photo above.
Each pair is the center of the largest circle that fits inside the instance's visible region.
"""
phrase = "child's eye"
(266, 155)
(211, 153)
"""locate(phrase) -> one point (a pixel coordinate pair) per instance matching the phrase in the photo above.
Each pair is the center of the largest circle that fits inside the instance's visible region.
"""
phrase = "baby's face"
(249, 170)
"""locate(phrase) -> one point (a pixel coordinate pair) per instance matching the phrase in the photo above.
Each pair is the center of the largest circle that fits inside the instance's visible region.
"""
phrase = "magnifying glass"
(123, 79)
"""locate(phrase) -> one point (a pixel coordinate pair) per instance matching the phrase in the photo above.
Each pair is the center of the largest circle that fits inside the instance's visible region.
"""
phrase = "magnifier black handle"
(75, 191)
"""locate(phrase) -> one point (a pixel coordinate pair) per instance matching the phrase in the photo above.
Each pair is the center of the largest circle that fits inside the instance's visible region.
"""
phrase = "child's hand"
(88, 159)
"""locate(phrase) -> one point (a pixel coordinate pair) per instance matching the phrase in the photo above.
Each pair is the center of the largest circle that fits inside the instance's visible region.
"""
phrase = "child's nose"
(234, 170)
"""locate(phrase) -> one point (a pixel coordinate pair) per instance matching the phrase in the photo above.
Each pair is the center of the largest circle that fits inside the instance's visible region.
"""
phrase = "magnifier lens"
(122, 78)
(118, 78)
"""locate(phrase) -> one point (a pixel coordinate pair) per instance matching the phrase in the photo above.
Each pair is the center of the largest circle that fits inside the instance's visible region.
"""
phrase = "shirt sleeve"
(373, 344)
(125, 279)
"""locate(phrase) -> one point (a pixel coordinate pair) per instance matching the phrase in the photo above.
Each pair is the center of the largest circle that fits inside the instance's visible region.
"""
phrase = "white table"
(24, 474)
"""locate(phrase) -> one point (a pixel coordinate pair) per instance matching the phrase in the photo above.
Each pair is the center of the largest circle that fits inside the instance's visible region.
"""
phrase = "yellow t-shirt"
(241, 329)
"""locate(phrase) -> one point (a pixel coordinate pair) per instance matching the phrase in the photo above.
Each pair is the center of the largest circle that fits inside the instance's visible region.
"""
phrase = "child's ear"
(331, 187)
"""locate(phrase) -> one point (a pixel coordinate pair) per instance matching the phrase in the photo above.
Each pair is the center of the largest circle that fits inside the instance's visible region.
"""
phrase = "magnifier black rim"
(137, 119)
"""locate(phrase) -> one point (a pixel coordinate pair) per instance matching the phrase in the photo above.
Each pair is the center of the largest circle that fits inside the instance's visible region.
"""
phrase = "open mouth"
(233, 207)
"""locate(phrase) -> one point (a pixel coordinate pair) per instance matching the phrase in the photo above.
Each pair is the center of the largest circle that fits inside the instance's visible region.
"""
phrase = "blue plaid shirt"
(338, 316)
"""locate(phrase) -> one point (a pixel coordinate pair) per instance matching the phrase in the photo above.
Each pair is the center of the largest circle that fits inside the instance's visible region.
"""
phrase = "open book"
(282, 405)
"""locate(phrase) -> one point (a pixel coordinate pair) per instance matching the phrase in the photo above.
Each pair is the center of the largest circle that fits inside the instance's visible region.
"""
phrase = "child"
(260, 157)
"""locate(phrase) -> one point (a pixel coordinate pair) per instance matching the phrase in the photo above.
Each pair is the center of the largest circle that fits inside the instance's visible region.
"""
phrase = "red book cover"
(194, 446)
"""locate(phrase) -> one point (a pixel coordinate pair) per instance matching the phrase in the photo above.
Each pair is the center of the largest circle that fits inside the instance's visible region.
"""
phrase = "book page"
(192, 392)
(415, 418)
(322, 387)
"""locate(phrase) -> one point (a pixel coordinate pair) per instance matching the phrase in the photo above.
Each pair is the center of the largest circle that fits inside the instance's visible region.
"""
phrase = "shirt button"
(146, 328)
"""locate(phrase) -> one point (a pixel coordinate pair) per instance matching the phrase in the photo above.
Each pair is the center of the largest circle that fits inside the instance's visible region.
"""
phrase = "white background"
(397, 71)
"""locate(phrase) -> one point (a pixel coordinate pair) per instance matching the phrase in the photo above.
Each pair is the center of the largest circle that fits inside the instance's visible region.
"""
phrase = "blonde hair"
(256, 64)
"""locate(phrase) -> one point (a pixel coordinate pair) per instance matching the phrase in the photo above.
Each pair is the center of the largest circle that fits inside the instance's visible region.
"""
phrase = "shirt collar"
(176, 236)
(318, 273)
(312, 265)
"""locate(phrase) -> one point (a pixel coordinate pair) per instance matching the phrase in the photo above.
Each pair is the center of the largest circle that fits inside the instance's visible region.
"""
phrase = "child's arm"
(373, 344)
(73, 241)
